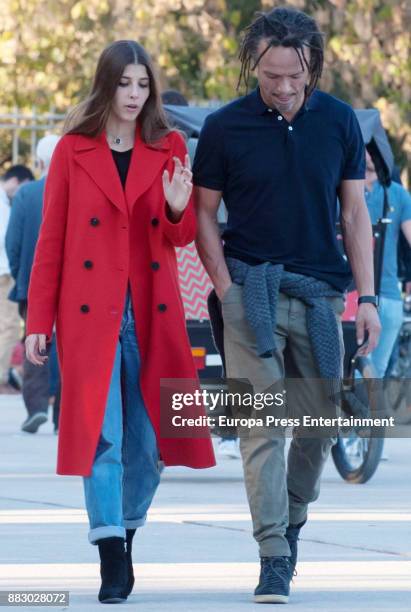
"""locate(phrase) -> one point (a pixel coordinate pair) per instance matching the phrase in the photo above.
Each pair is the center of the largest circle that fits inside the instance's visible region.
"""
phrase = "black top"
(280, 180)
(122, 160)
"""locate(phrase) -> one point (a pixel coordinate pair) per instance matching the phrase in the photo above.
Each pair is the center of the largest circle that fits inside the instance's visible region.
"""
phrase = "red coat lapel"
(147, 163)
(94, 155)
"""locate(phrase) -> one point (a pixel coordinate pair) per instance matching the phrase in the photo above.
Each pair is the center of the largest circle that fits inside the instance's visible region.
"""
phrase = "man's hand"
(221, 291)
(367, 321)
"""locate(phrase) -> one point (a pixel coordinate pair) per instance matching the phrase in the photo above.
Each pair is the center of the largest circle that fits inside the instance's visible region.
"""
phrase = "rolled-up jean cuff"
(135, 524)
(110, 531)
(274, 547)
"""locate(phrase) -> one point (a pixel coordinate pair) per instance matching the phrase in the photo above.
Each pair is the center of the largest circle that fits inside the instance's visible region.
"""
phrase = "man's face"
(10, 186)
(281, 78)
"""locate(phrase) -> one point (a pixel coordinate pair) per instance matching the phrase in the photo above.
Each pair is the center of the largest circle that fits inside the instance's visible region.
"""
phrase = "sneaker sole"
(35, 424)
(271, 598)
(114, 600)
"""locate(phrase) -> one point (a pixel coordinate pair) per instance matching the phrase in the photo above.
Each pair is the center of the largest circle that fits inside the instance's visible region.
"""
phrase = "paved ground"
(196, 553)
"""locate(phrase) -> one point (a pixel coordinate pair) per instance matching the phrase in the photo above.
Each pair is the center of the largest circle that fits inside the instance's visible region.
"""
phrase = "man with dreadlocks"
(280, 156)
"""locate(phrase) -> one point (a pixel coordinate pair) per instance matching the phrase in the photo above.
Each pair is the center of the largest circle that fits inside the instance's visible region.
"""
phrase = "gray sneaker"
(33, 422)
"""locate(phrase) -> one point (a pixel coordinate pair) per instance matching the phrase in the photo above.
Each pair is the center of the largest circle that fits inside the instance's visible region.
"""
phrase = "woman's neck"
(120, 134)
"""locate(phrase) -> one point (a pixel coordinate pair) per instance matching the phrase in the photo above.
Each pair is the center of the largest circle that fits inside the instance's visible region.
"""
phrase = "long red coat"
(95, 237)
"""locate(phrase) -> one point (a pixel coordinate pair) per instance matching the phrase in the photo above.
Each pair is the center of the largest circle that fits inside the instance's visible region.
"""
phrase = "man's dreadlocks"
(286, 27)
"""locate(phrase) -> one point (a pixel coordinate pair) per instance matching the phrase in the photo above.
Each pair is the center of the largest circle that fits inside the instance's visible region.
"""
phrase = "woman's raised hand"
(36, 349)
(178, 190)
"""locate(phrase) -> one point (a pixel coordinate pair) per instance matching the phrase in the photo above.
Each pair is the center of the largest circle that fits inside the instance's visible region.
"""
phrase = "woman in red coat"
(117, 202)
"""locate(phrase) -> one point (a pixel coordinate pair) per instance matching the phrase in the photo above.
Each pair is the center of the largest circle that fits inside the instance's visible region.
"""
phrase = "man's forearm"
(210, 250)
(357, 235)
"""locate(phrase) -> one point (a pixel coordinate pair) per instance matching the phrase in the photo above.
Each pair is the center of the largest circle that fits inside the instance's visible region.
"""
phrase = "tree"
(49, 50)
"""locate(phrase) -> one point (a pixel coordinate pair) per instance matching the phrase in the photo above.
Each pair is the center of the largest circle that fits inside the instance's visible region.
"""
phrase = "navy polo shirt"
(280, 180)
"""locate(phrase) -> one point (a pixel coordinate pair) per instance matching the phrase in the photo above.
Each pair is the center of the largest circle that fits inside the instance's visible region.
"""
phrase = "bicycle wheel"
(398, 398)
(356, 457)
(397, 385)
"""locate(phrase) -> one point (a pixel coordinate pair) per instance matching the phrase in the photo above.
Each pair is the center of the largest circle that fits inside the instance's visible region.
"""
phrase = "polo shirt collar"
(257, 103)
(260, 107)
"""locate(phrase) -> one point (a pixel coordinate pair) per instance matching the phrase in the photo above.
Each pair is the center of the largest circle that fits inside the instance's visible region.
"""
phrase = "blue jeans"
(391, 317)
(125, 472)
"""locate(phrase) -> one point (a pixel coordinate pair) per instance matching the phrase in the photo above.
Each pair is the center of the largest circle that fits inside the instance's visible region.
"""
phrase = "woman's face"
(132, 92)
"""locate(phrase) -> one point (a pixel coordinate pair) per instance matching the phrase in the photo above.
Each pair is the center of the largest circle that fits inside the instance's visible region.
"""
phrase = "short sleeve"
(354, 167)
(405, 205)
(208, 167)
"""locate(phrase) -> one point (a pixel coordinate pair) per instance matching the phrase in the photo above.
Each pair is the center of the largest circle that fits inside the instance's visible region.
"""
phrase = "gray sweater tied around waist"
(262, 283)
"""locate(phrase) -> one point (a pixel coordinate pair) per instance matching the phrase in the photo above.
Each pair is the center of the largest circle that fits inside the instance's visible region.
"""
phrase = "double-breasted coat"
(95, 238)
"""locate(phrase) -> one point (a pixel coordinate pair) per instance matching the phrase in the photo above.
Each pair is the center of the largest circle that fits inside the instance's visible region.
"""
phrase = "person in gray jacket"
(21, 239)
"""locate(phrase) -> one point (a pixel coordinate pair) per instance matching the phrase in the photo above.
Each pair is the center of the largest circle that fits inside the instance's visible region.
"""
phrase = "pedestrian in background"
(21, 240)
(390, 302)
(117, 202)
(10, 328)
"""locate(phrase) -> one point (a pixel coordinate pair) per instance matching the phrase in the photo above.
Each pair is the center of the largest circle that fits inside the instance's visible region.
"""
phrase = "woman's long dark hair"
(90, 116)
(287, 27)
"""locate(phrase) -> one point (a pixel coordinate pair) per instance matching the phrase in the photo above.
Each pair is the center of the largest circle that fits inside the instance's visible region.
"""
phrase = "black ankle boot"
(130, 573)
(113, 570)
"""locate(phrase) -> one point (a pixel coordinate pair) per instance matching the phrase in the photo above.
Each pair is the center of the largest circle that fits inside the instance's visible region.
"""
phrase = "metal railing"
(29, 127)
